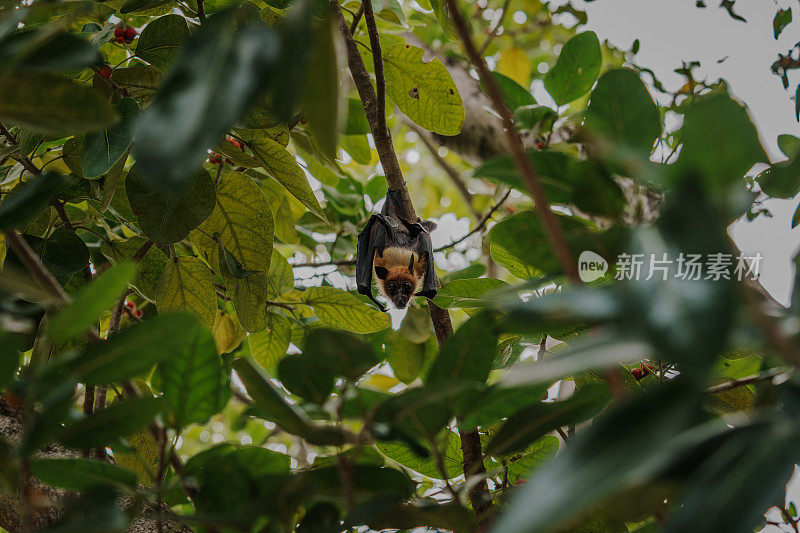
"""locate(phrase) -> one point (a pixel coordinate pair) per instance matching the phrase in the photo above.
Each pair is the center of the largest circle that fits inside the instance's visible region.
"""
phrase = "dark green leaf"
(301, 376)
(789, 145)
(131, 6)
(535, 421)
(21, 207)
(514, 94)
(782, 18)
(169, 216)
(9, 358)
(576, 69)
(192, 380)
(91, 302)
(622, 109)
(102, 149)
(63, 253)
(111, 423)
(161, 39)
(321, 94)
(321, 518)
(344, 354)
(80, 474)
(467, 355)
(49, 103)
(213, 79)
(498, 403)
(135, 349)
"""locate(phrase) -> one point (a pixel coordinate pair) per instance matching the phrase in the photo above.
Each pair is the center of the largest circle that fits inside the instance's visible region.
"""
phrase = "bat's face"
(399, 291)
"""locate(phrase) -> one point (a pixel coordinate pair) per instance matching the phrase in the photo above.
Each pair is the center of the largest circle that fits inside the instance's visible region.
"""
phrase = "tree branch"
(496, 28)
(470, 441)
(749, 380)
(480, 225)
(523, 163)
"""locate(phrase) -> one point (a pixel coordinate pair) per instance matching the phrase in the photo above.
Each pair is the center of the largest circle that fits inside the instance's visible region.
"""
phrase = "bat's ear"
(381, 272)
(411, 264)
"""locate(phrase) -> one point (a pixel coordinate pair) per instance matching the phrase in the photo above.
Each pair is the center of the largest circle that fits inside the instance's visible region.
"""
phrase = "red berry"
(647, 365)
(539, 145)
(119, 32)
(130, 33)
(637, 373)
(236, 143)
(138, 313)
(521, 482)
(121, 39)
(130, 305)
(105, 71)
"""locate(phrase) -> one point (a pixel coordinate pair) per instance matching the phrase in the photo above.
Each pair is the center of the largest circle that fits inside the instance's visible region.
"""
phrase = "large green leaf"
(623, 110)
(321, 90)
(467, 355)
(46, 49)
(423, 90)
(73, 473)
(242, 219)
(111, 423)
(21, 207)
(282, 166)
(62, 252)
(187, 284)
(303, 376)
(168, 216)
(135, 349)
(149, 268)
(720, 143)
(535, 421)
(340, 309)
(161, 39)
(215, 76)
(49, 103)
(281, 275)
(442, 12)
(141, 81)
(466, 292)
(576, 69)
(192, 380)
(269, 345)
(91, 302)
(344, 354)
(514, 94)
(102, 149)
(497, 403)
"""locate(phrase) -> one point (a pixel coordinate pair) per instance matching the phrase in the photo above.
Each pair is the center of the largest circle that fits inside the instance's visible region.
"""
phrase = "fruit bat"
(398, 252)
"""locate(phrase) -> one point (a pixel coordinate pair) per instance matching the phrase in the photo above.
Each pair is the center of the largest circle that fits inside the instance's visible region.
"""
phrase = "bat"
(399, 253)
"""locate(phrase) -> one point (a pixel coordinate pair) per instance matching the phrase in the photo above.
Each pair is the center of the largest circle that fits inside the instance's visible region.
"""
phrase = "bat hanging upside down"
(399, 253)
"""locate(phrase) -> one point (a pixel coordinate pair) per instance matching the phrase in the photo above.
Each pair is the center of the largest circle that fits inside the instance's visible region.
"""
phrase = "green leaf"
(406, 358)
(215, 76)
(269, 346)
(281, 276)
(91, 302)
(243, 219)
(111, 423)
(576, 69)
(187, 284)
(622, 109)
(498, 403)
(535, 117)
(49, 103)
(160, 40)
(150, 266)
(81, 474)
(449, 447)
(131, 6)
(46, 49)
(320, 98)
(135, 349)
(63, 253)
(720, 143)
(168, 216)
(424, 91)
(466, 292)
(302, 376)
(442, 12)
(789, 145)
(356, 123)
(21, 207)
(342, 310)
(535, 421)
(101, 150)
(140, 456)
(272, 406)
(522, 465)
(141, 81)
(192, 381)
(514, 94)
(782, 18)
(467, 355)
(281, 165)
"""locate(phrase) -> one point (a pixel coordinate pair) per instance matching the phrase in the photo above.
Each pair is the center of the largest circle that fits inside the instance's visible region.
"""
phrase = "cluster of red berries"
(642, 371)
(132, 306)
(124, 35)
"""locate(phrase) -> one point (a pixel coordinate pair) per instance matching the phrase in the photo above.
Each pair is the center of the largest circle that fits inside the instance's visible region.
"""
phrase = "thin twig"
(523, 163)
(140, 253)
(338, 262)
(749, 380)
(496, 28)
(201, 11)
(356, 19)
(480, 225)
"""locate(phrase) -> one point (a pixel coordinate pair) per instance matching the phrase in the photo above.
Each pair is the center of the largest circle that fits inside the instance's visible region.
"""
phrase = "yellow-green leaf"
(269, 346)
(187, 284)
(340, 309)
(243, 219)
(423, 90)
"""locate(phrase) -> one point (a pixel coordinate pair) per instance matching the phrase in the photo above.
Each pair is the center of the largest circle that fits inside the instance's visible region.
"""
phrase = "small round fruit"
(236, 143)
(637, 373)
(121, 39)
(119, 32)
(130, 305)
(105, 71)
(130, 33)
(138, 313)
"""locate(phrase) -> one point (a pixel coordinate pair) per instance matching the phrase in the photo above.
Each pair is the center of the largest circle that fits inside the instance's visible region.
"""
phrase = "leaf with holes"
(423, 90)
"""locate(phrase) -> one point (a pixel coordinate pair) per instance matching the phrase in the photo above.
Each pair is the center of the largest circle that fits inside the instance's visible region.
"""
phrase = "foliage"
(171, 174)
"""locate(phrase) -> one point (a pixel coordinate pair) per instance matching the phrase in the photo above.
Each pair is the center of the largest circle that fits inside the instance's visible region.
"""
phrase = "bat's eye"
(391, 287)
(407, 288)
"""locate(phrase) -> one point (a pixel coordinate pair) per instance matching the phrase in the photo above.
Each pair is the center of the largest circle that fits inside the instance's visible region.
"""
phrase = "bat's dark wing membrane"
(425, 249)
(374, 235)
